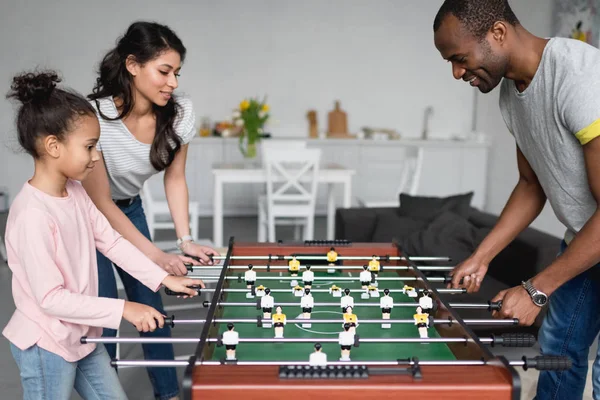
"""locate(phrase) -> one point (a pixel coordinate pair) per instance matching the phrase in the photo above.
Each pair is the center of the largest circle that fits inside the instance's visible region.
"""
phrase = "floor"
(135, 380)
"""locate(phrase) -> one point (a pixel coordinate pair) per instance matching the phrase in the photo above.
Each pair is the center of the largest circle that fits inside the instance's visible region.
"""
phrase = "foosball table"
(326, 318)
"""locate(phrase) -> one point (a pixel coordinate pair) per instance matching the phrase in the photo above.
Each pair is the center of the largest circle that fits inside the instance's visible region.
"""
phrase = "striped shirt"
(127, 159)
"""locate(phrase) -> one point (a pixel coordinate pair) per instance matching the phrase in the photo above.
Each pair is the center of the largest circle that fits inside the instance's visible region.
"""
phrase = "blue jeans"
(569, 329)
(164, 380)
(48, 376)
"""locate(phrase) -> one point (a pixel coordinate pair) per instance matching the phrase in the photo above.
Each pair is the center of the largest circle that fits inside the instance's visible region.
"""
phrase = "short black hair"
(478, 16)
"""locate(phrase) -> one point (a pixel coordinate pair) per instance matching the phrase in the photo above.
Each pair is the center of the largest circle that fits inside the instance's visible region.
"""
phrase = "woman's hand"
(172, 263)
(181, 284)
(202, 252)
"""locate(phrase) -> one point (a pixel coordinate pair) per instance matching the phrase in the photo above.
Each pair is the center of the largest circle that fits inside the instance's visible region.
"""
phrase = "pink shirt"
(51, 246)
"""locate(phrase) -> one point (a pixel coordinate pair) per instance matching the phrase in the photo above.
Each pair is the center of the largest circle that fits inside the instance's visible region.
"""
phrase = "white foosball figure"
(409, 291)
(230, 339)
(332, 256)
(308, 277)
(267, 302)
(350, 318)
(298, 291)
(386, 302)
(426, 302)
(318, 358)
(346, 340)
(365, 280)
(260, 291)
(335, 291)
(374, 267)
(346, 300)
(294, 267)
(422, 323)
(250, 278)
(307, 302)
(373, 291)
(279, 322)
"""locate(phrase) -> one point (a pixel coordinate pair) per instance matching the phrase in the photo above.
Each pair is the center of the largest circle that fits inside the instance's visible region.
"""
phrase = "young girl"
(144, 129)
(52, 233)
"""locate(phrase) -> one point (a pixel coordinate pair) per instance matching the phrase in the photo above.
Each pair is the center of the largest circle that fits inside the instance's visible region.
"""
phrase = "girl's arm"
(97, 187)
(177, 193)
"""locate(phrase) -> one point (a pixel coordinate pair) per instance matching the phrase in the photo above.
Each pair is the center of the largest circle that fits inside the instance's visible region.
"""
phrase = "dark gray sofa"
(529, 253)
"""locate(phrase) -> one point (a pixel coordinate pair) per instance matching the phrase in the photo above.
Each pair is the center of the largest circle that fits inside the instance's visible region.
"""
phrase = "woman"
(144, 129)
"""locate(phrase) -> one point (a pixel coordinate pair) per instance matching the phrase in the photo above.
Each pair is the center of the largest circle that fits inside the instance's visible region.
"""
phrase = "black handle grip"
(514, 340)
(448, 279)
(169, 292)
(170, 321)
(545, 363)
(495, 305)
(189, 267)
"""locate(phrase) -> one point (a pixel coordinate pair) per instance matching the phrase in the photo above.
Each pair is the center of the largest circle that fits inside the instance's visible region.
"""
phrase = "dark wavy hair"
(45, 109)
(144, 41)
(478, 16)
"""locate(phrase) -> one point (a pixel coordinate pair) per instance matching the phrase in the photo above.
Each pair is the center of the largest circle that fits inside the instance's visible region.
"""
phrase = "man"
(550, 101)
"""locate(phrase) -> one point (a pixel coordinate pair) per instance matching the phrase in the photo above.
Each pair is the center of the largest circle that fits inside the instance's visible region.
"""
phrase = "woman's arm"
(177, 193)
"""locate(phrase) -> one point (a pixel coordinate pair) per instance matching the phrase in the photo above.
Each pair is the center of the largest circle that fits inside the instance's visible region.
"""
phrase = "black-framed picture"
(577, 19)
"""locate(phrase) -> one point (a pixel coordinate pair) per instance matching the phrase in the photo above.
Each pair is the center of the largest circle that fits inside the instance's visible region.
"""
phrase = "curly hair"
(478, 16)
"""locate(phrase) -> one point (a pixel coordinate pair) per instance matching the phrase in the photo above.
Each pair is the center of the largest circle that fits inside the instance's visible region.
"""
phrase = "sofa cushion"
(448, 235)
(428, 208)
(391, 226)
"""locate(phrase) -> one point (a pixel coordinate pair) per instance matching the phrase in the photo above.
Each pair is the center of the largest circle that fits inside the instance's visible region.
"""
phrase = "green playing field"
(301, 351)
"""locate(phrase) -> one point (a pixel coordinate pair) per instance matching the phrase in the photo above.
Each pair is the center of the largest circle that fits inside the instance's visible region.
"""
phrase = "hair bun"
(33, 87)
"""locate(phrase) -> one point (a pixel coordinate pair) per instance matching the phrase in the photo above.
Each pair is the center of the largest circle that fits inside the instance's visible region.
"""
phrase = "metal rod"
(328, 278)
(173, 363)
(228, 290)
(335, 321)
(414, 304)
(323, 267)
(280, 340)
(279, 257)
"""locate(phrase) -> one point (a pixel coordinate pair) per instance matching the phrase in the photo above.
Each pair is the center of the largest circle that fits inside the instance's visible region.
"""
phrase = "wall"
(536, 16)
(378, 58)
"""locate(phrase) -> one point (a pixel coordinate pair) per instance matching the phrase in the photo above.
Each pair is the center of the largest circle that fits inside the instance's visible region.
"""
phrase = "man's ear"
(499, 31)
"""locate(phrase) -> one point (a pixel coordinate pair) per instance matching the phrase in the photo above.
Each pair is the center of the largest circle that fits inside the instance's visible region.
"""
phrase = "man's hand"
(202, 252)
(516, 303)
(471, 271)
(173, 263)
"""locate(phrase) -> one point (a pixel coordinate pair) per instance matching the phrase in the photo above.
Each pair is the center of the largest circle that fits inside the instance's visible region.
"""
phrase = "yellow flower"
(244, 105)
(265, 108)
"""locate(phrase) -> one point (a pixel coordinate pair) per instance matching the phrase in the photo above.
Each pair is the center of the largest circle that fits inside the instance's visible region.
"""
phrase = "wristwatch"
(538, 298)
(181, 240)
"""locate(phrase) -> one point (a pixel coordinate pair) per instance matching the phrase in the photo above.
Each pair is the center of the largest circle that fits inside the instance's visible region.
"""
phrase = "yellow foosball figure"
(350, 318)
(422, 322)
(260, 291)
(279, 322)
(294, 267)
(409, 290)
(332, 255)
(298, 291)
(374, 265)
(335, 291)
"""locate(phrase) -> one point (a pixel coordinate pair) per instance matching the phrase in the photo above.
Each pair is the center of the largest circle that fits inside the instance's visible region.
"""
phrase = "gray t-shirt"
(552, 119)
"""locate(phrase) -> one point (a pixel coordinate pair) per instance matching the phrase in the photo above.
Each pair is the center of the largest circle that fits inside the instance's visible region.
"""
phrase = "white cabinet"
(449, 167)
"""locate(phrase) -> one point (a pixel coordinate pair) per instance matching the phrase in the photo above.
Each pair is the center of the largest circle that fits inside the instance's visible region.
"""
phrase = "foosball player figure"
(230, 339)
(410, 291)
(365, 277)
(250, 278)
(335, 291)
(278, 322)
(260, 291)
(373, 291)
(318, 358)
(294, 267)
(307, 302)
(332, 257)
(426, 302)
(308, 277)
(350, 318)
(422, 322)
(346, 340)
(374, 267)
(267, 302)
(346, 300)
(386, 302)
(298, 291)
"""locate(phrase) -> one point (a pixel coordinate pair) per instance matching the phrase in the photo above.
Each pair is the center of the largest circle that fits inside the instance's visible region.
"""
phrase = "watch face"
(540, 299)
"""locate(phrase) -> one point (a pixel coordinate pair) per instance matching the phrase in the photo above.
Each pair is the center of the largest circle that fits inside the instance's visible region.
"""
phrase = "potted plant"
(251, 117)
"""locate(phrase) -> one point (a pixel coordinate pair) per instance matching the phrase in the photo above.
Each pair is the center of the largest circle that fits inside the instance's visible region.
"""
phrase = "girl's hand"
(144, 317)
(172, 263)
(202, 252)
(183, 285)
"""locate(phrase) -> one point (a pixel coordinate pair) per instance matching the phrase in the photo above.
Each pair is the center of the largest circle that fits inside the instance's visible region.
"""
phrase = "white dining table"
(228, 173)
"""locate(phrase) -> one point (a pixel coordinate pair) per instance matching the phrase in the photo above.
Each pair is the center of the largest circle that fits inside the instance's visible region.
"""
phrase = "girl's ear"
(132, 65)
(51, 146)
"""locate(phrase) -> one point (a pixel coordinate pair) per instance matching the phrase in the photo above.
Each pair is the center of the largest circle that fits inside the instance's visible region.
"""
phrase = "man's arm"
(523, 206)
(584, 250)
